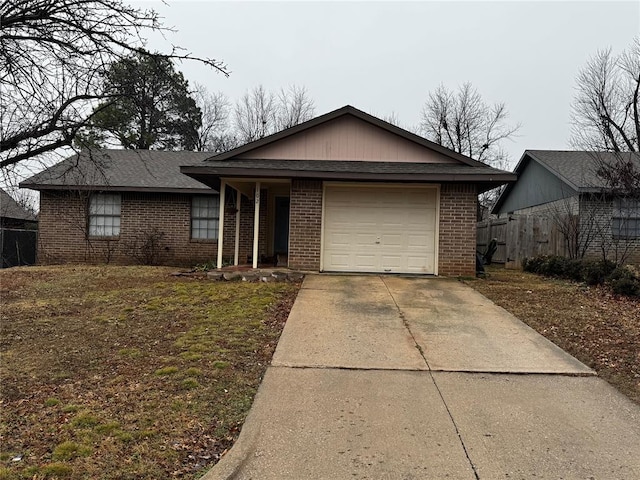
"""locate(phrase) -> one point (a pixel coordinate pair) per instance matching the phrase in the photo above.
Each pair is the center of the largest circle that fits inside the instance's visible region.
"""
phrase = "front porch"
(253, 227)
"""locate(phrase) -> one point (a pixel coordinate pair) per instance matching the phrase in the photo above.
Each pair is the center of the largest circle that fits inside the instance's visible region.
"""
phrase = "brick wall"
(305, 224)
(63, 226)
(457, 248)
(596, 214)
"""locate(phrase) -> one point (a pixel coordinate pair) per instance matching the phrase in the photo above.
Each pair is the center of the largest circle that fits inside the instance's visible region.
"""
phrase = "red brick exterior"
(457, 247)
(63, 230)
(63, 227)
(305, 218)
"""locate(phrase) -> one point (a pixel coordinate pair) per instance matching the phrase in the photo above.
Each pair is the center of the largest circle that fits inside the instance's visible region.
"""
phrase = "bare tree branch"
(463, 122)
(53, 55)
(605, 109)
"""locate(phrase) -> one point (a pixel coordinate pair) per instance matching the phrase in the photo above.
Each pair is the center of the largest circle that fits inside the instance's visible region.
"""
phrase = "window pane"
(104, 215)
(204, 217)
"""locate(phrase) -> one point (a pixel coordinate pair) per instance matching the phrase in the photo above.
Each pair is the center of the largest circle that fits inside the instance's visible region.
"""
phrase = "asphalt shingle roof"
(122, 169)
(9, 208)
(579, 169)
(354, 167)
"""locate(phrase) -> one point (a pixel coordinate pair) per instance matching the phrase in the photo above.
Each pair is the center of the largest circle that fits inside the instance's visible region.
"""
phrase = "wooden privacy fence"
(519, 237)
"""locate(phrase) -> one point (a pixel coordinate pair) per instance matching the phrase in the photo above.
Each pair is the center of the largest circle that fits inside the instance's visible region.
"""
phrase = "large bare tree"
(53, 55)
(293, 106)
(261, 112)
(215, 134)
(462, 121)
(254, 115)
(606, 113)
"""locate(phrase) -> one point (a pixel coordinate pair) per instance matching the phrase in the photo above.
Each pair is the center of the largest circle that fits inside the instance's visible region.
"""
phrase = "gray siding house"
(570, 187)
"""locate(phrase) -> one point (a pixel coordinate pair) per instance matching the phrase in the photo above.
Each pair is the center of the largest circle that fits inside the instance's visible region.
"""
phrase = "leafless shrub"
(146, 247)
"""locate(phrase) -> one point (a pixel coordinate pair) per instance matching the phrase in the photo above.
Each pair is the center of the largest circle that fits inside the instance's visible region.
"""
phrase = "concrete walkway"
(412, 378)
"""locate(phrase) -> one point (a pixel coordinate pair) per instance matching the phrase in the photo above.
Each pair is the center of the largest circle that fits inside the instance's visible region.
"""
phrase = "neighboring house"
(566, 186)
(342, 192)
(18, 233)
(13, 215)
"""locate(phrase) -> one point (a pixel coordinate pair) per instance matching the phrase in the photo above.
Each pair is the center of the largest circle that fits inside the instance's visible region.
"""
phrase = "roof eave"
(115, 188)
(200, 173)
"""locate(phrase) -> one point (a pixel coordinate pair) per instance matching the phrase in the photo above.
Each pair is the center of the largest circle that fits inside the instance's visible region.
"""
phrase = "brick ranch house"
(343, 192)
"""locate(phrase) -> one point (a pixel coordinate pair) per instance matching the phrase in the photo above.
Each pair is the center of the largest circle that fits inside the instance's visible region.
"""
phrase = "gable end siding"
(535, 186)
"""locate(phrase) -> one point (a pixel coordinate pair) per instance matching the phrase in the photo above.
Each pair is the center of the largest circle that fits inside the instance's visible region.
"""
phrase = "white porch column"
(221, 222)
(236, 254)
(256, 224)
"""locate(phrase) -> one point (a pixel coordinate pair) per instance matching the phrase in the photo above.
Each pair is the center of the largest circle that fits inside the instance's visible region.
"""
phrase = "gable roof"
(122, 170)
(347, 110)
(577, 169)
(9, 208)
(445, 166)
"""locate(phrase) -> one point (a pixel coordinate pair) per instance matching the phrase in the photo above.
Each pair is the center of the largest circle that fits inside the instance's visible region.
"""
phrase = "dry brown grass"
(128, 372)
(599, 328)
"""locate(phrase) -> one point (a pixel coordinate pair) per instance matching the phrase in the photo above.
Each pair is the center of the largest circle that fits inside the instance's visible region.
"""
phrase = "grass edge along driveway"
(600, 329)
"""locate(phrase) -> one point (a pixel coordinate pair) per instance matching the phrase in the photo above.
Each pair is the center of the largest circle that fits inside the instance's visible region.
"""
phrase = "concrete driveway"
(412, 378)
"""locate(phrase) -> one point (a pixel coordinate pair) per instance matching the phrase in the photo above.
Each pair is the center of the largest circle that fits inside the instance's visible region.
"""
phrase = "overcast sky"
(384, 57)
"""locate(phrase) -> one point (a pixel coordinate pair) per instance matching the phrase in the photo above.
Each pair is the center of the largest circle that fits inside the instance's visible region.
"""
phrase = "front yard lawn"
(600, 329)
(128, 372)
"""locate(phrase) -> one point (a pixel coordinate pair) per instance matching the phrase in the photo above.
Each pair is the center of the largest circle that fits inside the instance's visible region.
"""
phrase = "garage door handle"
(377, 242)
(387, 270)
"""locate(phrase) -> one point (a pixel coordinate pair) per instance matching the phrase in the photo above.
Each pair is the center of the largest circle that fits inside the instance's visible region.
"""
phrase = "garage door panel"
(364, 239)
(380, 229)
(366, 262)
(340, 239)
(392, 240)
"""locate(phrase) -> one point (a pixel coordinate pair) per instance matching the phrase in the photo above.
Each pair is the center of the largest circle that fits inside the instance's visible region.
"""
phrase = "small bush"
(533, 264)
(554, 266)
(596, 272)
(624, 282)
(621, 280)
(574, 270)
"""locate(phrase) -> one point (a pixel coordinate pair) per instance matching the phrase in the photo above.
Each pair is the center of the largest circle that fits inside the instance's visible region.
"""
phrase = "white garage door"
(380, 229)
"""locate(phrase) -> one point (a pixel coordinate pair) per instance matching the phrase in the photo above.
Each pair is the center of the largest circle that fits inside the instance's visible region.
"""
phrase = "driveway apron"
(411, 378)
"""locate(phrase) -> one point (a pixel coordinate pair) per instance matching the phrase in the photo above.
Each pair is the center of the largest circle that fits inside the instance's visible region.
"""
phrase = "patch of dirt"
(599, 328)
(128, 372)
